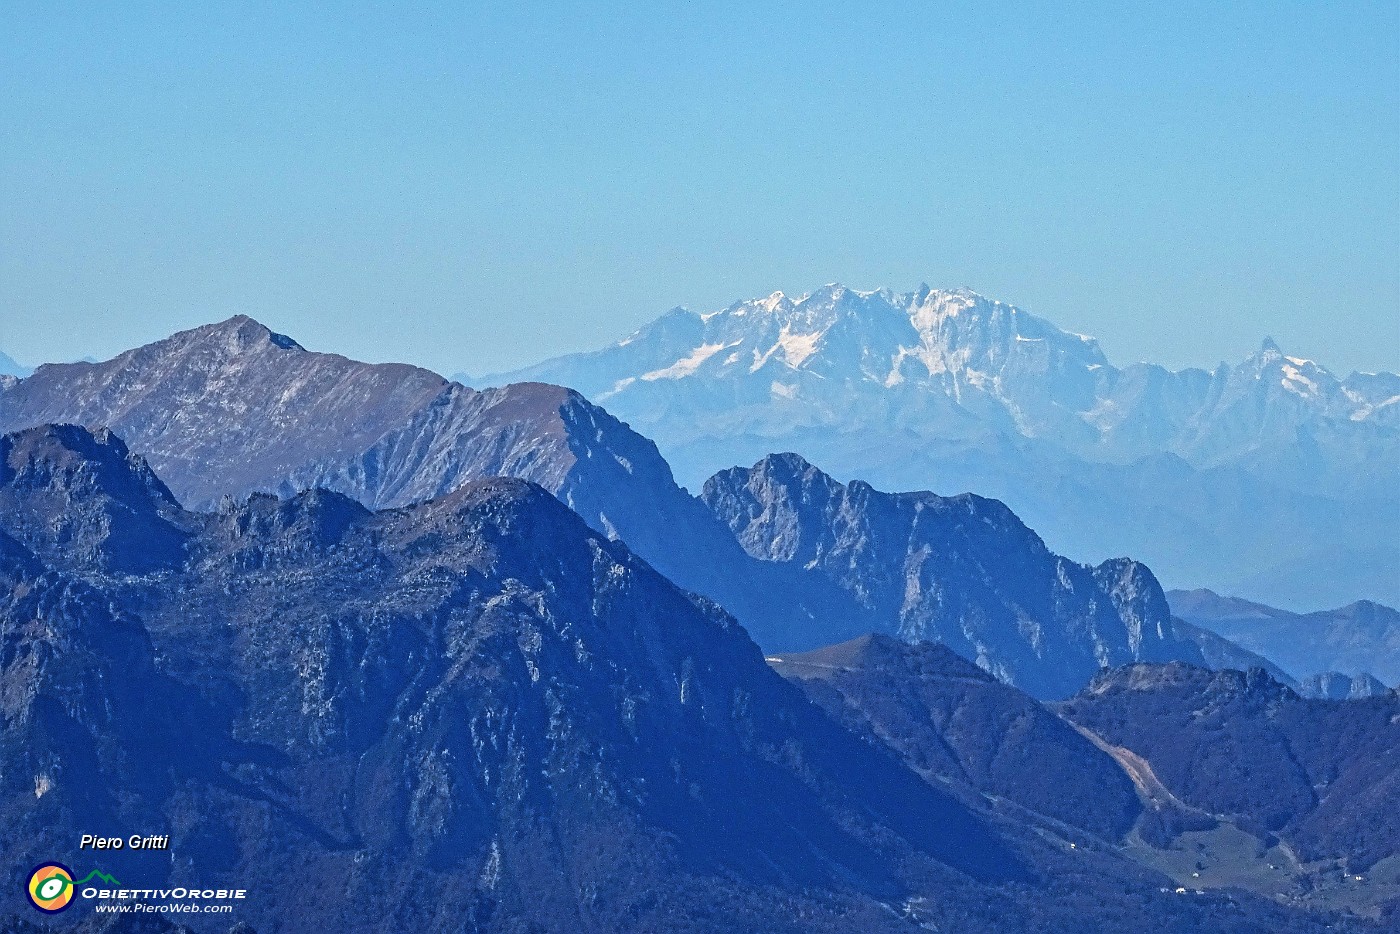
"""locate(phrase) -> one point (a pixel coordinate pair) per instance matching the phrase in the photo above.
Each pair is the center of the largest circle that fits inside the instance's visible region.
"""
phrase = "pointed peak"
(1270, 348)
(769, 304)
(241, 332)
(319, 516)
(832, 291)
(786, 462)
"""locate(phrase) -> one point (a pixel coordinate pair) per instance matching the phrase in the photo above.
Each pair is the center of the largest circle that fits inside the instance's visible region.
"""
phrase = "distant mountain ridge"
(952, 390)
(1003, 366)
(1356, 639)
(8, 366)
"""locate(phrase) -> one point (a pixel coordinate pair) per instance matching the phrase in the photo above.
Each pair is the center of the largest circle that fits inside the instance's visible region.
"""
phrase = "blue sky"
(477, 186)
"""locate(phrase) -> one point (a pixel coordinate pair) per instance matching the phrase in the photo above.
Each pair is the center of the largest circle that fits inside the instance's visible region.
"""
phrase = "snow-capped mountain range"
(1233, 475)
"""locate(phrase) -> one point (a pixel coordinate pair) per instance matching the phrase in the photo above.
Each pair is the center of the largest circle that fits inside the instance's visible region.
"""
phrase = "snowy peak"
(956, 366)
(879, 337)
(1297, 375)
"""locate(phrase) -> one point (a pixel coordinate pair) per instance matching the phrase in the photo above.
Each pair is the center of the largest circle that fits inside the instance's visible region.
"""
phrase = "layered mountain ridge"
(1356, 640)
(417, 682)
(233, 408)
(478, 696)
(1276, 461)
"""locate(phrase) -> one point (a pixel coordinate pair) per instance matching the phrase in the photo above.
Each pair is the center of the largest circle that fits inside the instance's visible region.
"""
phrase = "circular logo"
(50, 887)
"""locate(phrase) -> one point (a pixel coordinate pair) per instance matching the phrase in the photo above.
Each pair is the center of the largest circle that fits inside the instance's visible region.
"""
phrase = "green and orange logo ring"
(50, 887)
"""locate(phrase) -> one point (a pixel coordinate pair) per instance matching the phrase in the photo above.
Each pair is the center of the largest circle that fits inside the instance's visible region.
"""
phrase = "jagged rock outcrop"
(1218, 653)
(1333, 685)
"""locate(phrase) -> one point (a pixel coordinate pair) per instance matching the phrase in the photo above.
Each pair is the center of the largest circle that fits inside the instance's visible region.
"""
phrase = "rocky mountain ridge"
(963, 571)
(1332, 685)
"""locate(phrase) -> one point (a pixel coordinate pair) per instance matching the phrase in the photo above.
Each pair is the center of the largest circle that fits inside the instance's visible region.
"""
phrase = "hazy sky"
(480, 185)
